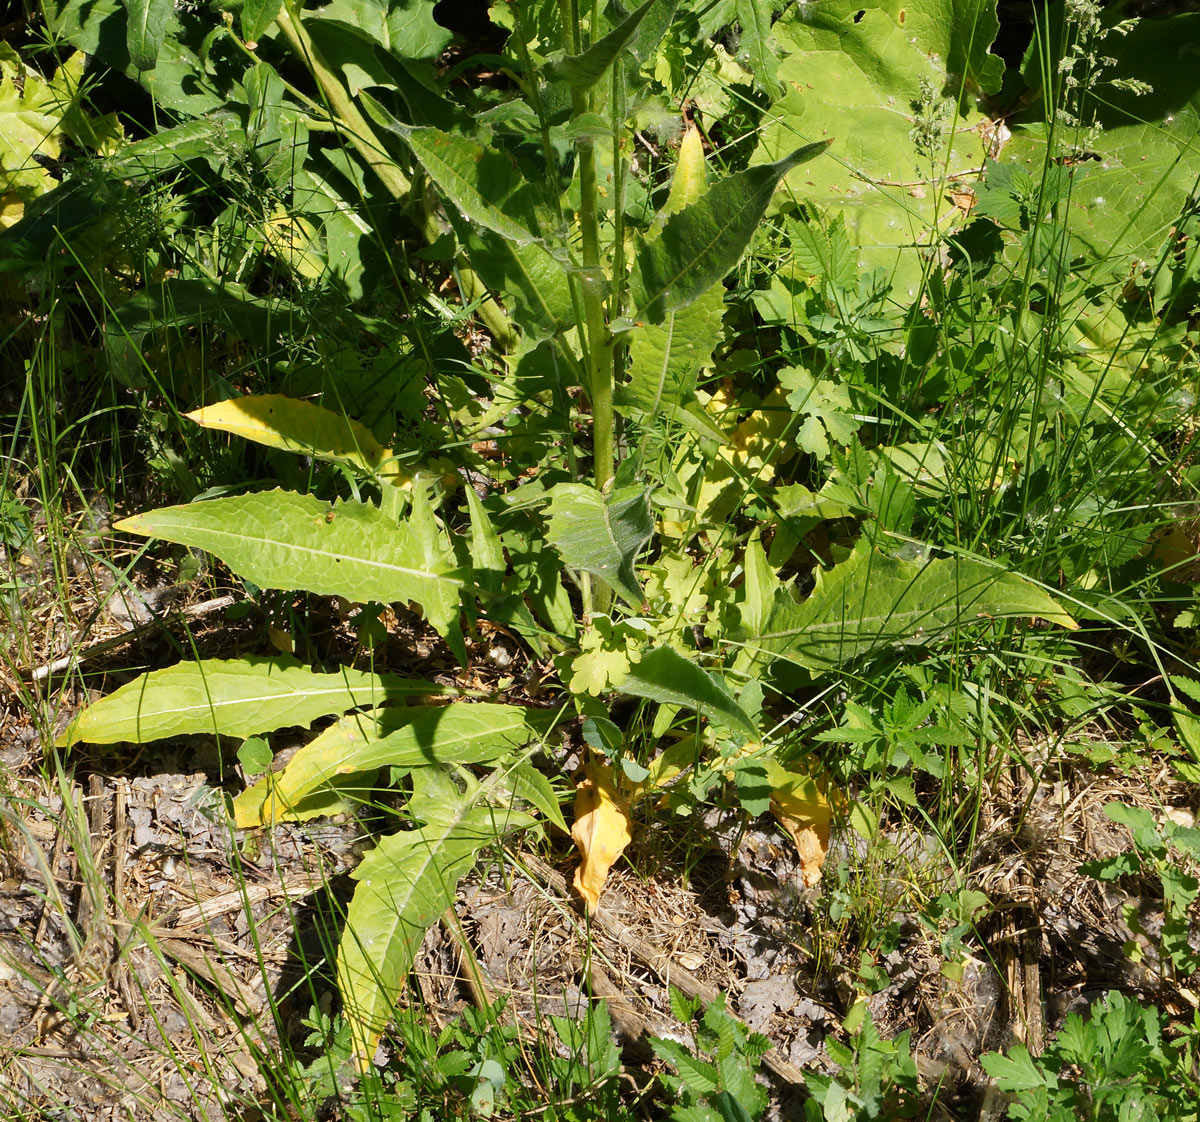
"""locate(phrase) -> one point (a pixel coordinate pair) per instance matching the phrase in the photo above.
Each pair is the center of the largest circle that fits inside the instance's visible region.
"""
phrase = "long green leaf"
(652, 31)
(405, 884)
(601, 535)
(871, 601)
(666, 358)
(666, 676)
(234, 697)
(403, 738)
(530, 276)
(167, 149)
(468, 174)
(147, 28)
(279, 539)
(584, 70)
(755, 19)
(703, 241)
(508, 256)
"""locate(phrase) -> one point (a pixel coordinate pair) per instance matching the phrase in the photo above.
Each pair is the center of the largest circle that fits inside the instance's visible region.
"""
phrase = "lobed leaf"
(279, 539)
(232, 697)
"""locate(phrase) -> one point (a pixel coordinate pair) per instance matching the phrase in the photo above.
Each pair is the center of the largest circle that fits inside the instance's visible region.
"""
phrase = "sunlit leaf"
(601, 535)
(856, 72)
(298, 426)
(402, 738)
(279, 539)
(666, 676)
(800, 806)
(404, 884)
(873, 600)
(702, 242)
(233, 697)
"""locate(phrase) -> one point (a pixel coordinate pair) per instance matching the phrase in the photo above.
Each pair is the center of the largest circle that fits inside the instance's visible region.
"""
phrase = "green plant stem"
(561, 400)
(600, 389)
(399, 186)
(359, 132)
(596, 346)
(617, 296)
(593, 330)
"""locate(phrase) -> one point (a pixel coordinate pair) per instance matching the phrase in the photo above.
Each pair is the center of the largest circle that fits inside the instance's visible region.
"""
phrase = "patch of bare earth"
(144, 943)
(151, 956)
(141, 952)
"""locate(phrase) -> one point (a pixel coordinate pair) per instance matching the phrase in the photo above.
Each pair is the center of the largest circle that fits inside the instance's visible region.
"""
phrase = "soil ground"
(150, 954)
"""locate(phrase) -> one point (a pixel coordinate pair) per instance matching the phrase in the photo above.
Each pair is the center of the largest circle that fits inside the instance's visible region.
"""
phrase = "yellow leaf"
(281, 640)
(250, 807)
(301, 426)
(601, 831)
(800, 806)
(755, 450)
(689, 182)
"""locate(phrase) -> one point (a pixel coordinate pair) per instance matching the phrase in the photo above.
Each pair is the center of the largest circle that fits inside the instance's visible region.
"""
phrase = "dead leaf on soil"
(601, 831)
(800, 806)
